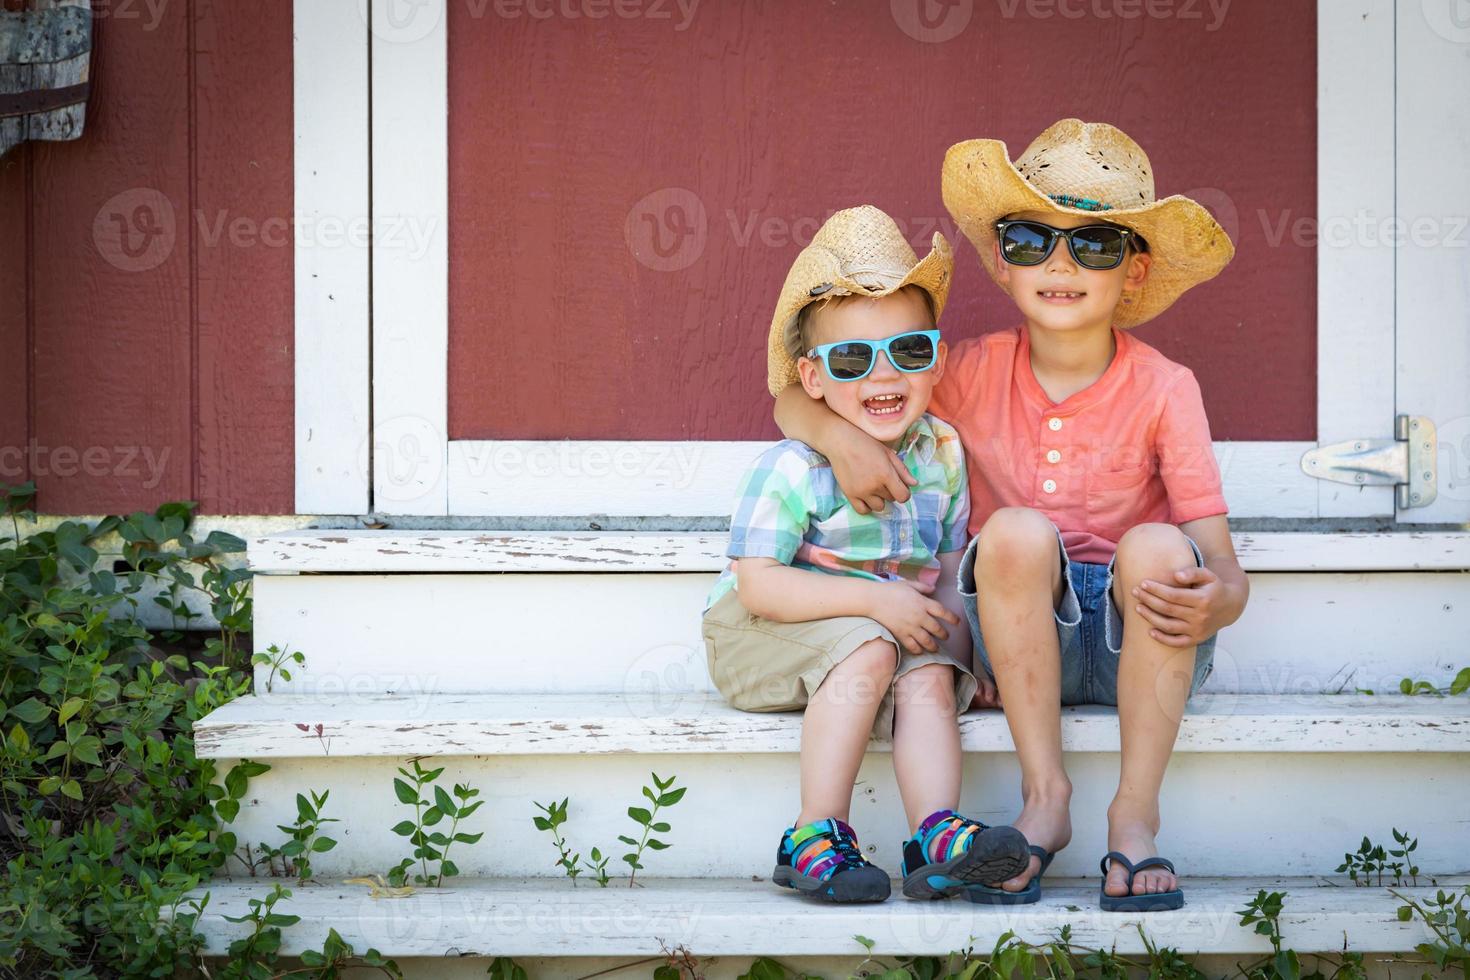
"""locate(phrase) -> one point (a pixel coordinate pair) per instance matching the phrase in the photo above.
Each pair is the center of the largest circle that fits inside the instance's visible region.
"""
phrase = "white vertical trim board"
(1433, 270)
(330, 102)
(410, 145)
(1355, 275)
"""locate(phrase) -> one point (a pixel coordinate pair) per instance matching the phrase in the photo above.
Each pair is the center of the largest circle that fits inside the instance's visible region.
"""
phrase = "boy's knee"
(931, 684)
(1152, 549)
(877, 659)
(1016, 535)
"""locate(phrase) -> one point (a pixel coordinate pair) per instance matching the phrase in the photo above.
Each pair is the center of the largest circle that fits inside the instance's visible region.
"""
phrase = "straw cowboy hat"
(1080, 168)
(859, 251)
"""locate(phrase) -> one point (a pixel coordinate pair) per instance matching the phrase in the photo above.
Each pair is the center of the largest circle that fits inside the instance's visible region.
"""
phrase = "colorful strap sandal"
(822, 860)
(1153, 901)
(970, 852)
(985, 895)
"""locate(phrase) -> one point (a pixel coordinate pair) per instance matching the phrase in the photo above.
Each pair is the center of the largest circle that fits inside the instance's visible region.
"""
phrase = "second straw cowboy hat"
(1080, 168)
(859, 251)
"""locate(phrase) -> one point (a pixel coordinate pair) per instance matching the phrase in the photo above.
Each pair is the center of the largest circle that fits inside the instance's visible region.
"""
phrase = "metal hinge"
(1405, 462)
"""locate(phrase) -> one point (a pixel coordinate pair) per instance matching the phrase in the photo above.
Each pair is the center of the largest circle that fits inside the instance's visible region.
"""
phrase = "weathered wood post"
(45, 56)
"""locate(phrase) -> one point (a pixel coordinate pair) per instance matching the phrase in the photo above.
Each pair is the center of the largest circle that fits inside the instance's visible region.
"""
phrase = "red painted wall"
(146, 272)
(766, 116)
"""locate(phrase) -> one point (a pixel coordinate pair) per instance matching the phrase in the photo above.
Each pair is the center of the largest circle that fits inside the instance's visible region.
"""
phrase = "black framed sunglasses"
(1092, 246)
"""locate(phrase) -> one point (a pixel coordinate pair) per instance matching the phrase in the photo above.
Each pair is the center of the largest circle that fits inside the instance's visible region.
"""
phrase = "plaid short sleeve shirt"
(790, 508)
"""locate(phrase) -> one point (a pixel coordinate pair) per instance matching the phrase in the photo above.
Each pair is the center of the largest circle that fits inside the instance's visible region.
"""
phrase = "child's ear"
(1002, 267)
(1138, 266)
(940, 354)
(811, 376)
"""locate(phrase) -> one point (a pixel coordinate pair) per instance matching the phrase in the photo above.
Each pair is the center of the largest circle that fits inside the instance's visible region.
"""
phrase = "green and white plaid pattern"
(790, 508)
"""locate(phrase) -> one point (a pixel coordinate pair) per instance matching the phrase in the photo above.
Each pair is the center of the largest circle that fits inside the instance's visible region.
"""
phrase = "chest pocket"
(1118, 499)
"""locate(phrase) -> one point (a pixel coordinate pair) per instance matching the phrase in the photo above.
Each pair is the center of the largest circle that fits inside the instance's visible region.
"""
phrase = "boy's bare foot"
(1134, 838)
(1046, 821)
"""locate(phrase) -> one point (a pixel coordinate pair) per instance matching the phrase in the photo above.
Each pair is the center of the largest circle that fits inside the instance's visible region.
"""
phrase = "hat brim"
(980, 186)
(816, 267)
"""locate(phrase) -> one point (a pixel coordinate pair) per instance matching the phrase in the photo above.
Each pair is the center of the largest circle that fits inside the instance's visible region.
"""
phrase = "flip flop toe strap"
(1134, 867)
(1120, 858)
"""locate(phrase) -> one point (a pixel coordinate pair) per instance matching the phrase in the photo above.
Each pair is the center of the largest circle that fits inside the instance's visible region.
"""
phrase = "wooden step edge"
(743, 917)
(311, 726)
(392, 551)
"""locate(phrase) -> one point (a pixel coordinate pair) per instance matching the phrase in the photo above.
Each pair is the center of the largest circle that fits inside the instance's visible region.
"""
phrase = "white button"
(1050, 486)
(1053, 457)
(1053, 424)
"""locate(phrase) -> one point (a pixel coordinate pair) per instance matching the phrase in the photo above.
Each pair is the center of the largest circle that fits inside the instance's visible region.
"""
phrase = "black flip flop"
(985, 895)
(1151, 902)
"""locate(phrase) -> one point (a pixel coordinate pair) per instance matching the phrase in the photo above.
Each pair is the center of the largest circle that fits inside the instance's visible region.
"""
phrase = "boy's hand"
(870, 473)
(914, 619)
(1186, 613)
(986, 693)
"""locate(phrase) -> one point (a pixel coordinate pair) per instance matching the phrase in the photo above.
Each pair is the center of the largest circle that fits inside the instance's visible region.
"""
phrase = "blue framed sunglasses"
(853, 360)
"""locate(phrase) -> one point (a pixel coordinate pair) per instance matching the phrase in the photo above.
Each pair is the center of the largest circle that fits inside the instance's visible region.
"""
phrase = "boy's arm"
(1200, 601)
(869, 473)
(784, 594)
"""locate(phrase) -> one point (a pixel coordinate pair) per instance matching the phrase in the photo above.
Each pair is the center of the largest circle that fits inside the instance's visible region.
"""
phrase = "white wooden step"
(741, 917)
(664, 551)
(640, 631)
(274, 726)
(1259, 797)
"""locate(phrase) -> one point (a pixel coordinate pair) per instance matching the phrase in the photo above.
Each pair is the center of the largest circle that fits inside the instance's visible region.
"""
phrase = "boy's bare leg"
(1018, 574)
(1153, 685)
(836, 728)
(926, 742)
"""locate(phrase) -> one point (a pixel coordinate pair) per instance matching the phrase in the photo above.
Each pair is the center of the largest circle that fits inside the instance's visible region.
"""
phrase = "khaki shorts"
(761, 665)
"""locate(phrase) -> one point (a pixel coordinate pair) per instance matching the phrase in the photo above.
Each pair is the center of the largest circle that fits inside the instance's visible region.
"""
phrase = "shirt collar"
(921, 438)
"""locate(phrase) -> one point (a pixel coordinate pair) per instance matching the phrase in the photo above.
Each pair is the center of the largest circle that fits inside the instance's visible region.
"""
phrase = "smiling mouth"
(1060, 294)
(885, 406)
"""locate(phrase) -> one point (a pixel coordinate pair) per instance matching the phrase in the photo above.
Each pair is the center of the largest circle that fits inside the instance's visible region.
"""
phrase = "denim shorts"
(1089, 628)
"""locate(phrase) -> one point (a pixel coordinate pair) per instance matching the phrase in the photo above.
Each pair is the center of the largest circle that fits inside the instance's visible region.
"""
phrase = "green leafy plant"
(431, 804)
(555, 816)
(1447, 915)
(111, 816)
(663, 796)
(1372, 860)
(1283, 963)
(251, 955)
(1460, 684)
(276, 659)
(304, 838)
(337, 956)
(505, 968)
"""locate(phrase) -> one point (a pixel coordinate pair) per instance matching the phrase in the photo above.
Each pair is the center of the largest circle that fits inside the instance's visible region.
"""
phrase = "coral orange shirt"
(1133, 447)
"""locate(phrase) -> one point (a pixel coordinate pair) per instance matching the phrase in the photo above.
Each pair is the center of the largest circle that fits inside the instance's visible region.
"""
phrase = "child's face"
(1058, 294)
(868, 402)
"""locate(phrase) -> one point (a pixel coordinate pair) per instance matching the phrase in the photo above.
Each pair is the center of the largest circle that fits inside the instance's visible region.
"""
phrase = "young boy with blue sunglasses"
(1100, 566)
(843, 613)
